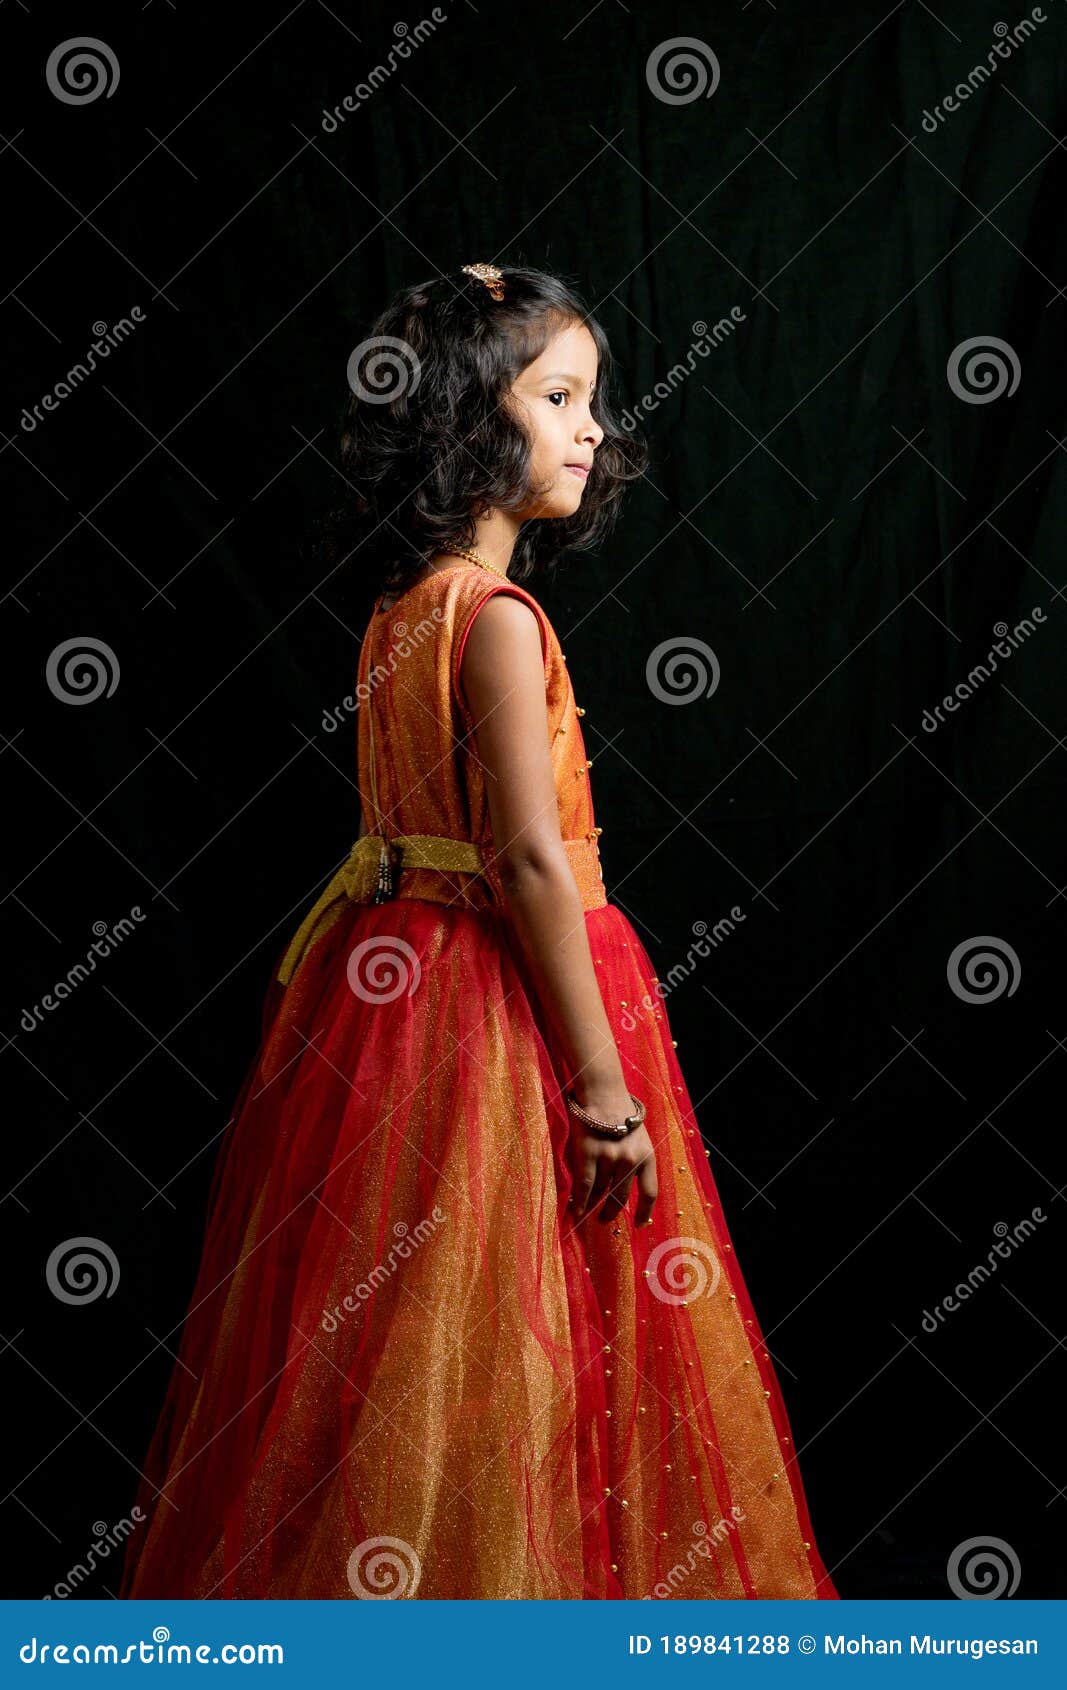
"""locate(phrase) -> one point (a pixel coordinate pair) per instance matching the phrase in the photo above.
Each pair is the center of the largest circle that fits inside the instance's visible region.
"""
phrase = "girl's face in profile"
(554, 395)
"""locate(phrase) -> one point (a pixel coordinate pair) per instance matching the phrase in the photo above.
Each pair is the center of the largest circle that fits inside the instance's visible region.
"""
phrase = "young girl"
(469, 1321)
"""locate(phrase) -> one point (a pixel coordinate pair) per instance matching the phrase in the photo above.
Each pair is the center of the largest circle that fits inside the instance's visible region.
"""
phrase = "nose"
(590, 431)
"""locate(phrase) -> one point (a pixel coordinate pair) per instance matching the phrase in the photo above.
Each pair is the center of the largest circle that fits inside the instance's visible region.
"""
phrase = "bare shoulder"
(504, 616)
(504, 642)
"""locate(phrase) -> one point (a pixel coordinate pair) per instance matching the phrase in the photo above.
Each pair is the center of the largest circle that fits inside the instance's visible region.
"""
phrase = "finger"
(585, 1179)
(604, 1180)
(647, 1191)
(618, 1197)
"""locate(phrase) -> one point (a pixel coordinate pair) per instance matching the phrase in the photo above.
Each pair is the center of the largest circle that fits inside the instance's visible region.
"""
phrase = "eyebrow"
(561, 375)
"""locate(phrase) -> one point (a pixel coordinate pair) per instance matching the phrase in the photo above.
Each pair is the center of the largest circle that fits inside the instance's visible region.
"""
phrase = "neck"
(494, 538)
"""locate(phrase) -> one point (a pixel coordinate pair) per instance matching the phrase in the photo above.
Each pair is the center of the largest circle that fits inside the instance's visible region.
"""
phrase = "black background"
(822, 510)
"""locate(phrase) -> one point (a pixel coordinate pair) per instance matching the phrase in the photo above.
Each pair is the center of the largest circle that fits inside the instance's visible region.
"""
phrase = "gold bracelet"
(609, 1129)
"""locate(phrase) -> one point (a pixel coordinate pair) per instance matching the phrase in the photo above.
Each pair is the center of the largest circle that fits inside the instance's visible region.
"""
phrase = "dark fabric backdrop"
(824, 513)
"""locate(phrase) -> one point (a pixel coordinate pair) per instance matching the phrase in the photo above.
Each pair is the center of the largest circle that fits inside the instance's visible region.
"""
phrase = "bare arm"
(503, 680)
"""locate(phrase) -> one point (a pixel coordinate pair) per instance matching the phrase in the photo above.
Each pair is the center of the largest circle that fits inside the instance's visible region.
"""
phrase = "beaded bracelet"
(609, 1129)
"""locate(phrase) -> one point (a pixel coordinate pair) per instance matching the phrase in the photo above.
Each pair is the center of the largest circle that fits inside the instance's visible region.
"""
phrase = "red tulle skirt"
(405, 1371)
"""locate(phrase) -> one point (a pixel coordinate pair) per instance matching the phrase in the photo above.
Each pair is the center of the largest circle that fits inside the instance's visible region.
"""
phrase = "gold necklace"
(458, 551)
(475, 557)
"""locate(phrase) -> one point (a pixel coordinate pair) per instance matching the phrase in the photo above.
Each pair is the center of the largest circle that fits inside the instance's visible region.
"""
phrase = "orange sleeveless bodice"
(416, 742)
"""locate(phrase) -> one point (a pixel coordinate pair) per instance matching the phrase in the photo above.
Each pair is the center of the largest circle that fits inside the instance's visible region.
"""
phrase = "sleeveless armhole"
(460, 642)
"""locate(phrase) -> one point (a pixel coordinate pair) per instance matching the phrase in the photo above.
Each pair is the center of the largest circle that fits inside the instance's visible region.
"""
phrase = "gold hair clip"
(490, 275)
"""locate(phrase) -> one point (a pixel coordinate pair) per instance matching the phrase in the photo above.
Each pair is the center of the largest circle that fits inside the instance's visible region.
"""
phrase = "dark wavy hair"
(429, 441)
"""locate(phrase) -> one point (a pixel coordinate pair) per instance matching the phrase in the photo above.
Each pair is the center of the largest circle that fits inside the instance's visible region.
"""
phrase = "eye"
(560, 393)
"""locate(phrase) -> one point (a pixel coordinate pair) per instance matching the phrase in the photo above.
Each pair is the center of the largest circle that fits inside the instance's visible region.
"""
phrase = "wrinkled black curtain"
(821, 659)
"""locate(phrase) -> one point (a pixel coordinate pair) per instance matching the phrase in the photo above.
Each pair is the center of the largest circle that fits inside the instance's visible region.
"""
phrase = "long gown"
(405, 1371)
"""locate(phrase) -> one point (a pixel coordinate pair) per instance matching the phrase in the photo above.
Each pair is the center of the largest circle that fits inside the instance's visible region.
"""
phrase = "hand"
(605, 1169)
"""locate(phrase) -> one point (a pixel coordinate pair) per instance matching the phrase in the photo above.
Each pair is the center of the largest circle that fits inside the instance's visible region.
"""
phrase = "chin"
(570, 494)
(555, 504)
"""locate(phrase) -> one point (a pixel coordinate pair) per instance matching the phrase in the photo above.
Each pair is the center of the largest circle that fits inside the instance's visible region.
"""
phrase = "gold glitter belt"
(375, 864)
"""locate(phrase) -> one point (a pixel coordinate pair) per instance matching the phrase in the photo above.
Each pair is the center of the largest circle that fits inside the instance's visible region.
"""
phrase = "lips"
(578, 469)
